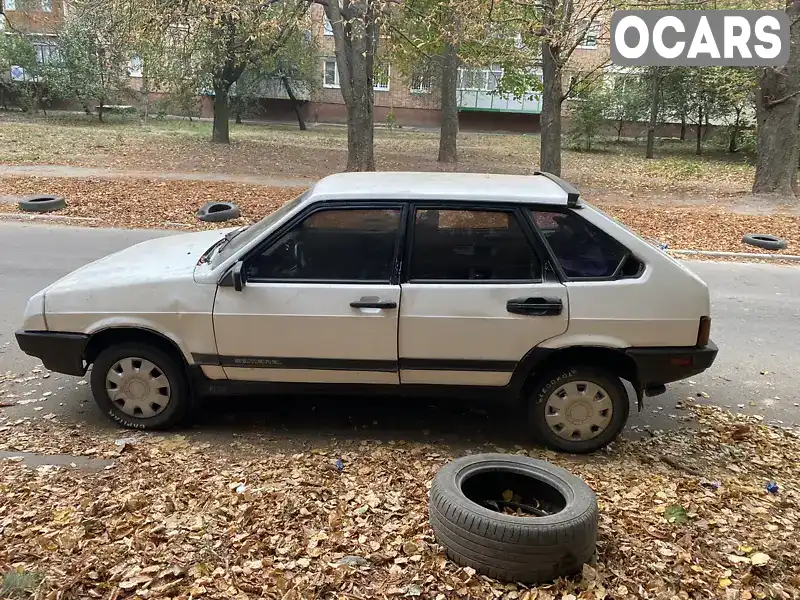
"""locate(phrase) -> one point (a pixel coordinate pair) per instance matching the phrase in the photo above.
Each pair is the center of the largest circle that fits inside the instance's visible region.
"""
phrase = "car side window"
(583, 250)
(471, 245)
(334, 244)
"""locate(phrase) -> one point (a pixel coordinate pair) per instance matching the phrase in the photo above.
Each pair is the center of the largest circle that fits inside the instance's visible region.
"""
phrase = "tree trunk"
(550, 161)
(707, 127)
(220, 133)
(655, 98)
(356, 46)
(733, 142)
(699, 148)
(360, 137)
(683, 125)
(778, 141)
(448, 136)
(295, 103)
(620, 127)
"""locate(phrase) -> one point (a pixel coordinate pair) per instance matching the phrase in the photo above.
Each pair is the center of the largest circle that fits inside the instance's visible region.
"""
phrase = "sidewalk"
(65, 171)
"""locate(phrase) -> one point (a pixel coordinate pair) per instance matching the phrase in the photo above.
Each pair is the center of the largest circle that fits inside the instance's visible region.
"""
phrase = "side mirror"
(238, 275)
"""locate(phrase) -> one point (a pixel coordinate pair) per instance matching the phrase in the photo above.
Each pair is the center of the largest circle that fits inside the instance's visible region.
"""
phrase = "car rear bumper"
(658, 366)
(60, 352)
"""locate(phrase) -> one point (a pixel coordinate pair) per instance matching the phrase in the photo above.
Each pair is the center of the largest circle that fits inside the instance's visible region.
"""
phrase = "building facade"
(416, 100)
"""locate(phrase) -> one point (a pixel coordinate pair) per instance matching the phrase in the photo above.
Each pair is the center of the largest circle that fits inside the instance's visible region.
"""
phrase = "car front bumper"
(60, 352)
(658, 366)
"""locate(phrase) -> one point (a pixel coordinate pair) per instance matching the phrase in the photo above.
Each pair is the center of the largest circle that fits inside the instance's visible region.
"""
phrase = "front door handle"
(540, 307)
(372, 302)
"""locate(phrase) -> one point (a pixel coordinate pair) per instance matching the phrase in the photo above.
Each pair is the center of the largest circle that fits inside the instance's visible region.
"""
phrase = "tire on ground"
(42, 203)
(179, 402)
(506, 547)
(765, 241)
(551, 382)
(216, 212)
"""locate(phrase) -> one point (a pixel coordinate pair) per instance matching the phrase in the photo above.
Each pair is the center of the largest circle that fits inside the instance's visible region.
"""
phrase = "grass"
(19, 583)
(619, 171)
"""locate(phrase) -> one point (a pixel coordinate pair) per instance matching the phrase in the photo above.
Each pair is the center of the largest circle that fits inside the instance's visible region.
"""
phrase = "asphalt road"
(756, 324)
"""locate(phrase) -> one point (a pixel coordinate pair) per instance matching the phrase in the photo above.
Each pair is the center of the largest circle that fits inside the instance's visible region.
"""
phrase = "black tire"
(176, 410)
(507, 547)
(42, 203)
(765, 241)
(550, 382)
(217, 212)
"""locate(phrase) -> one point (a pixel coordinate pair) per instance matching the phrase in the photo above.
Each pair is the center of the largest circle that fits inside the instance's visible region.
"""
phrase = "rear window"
(583, 250)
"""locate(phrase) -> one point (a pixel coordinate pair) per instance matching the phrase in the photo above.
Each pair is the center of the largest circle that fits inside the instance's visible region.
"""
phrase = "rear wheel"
(140, 386)
(578, 409)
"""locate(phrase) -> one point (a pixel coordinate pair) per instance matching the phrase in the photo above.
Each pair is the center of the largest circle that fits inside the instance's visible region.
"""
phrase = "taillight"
(704, 331)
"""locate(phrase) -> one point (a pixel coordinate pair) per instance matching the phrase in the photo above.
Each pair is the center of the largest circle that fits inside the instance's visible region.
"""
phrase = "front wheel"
(140, 386)
(578, 409)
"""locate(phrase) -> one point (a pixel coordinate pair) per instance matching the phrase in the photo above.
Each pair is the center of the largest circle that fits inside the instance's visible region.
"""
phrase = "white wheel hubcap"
(578, 411)
(138, 387)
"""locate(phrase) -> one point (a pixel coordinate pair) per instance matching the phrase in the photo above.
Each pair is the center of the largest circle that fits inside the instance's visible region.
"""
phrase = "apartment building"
(39, 19)
(415, 100)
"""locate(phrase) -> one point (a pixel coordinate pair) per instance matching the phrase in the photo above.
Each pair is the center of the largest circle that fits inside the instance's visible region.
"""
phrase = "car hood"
(165, 258)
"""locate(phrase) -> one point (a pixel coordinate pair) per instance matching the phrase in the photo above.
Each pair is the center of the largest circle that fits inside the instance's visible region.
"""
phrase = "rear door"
(475, 296)
(320, 301)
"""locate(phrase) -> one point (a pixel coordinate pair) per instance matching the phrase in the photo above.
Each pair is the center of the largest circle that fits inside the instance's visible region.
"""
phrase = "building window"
(481, 80)
(330, 76)
(380, 78)
(135, 67)
(11, 4)
(326, 24)
(46, 50)
(421, 80)
(590, 37)
(47, 5)
(330, 73)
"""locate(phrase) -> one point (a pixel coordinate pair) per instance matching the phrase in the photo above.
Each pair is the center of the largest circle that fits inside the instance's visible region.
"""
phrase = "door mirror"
(238, 276)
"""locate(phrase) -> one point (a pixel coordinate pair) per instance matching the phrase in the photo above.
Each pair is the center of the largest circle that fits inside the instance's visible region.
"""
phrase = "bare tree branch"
(582, 77)
(771, 103)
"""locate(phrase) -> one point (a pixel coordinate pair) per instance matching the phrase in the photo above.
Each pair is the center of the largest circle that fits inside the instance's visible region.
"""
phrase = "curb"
(751, 255)
(21, 216)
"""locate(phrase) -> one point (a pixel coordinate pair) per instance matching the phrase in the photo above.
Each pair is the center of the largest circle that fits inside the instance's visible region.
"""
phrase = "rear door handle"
(372, 302)
(541, 307)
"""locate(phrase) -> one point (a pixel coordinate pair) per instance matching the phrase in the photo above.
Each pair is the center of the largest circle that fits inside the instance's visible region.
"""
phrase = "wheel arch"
(104, 338)
(540, 361)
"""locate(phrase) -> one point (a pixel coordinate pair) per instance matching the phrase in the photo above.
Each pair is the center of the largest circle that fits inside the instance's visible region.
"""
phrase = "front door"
(476, 299)
(319, 302)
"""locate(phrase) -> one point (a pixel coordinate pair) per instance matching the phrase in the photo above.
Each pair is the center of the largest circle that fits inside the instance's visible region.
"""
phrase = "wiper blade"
(219, 244)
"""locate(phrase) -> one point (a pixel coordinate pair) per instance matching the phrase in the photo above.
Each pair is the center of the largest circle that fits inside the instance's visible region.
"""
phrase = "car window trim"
(513, 209)
(323, 206)
(615, 276)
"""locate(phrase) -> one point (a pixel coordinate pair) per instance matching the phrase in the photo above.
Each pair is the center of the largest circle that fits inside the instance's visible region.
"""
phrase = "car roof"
(467, 187)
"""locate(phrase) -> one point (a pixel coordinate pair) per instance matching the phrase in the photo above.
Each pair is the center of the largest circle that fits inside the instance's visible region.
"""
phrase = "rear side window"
(471, 245)
(583, 250)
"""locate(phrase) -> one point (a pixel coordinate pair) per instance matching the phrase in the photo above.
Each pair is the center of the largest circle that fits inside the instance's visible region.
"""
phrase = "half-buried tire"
(513, 518)
(765, 241)
(216, 212)
(42, 203)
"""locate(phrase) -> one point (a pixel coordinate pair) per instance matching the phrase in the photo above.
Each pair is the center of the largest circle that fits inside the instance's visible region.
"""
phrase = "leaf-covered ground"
(684, 515)
(618, 171)
(172, 204)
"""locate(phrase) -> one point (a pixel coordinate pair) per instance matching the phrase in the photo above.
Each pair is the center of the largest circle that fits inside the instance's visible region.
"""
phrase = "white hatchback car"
(423, 283)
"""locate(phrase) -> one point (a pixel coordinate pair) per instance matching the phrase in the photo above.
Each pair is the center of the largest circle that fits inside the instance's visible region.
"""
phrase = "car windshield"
(240, 240)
